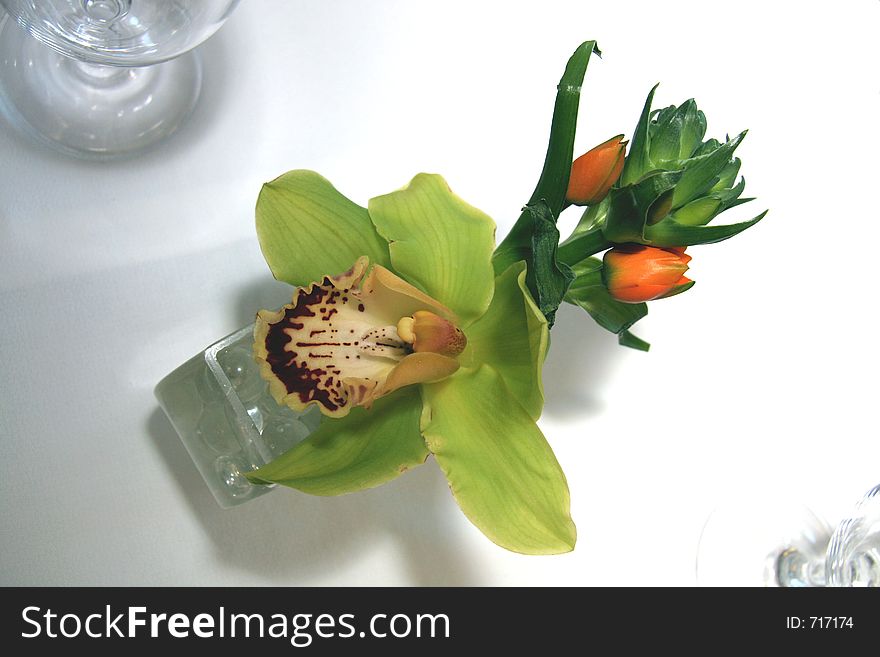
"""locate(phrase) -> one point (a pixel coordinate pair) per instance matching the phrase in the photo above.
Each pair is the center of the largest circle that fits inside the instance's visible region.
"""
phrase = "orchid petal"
(439, 243)
(513, 337)
(425, 367)
(498, 464)
(362, 450)
(306, 229)
(394, 298)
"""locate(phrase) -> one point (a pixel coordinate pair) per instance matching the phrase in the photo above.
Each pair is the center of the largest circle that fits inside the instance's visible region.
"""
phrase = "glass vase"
(221, 408)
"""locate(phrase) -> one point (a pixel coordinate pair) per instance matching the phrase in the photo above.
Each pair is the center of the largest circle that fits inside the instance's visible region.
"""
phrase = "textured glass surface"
(222, 410)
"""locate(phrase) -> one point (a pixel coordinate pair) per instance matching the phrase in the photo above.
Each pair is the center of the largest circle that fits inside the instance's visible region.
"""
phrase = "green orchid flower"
(404, 337)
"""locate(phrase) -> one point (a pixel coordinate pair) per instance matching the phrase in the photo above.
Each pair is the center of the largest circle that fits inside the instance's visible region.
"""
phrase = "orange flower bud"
(593, 173)
(634, 273)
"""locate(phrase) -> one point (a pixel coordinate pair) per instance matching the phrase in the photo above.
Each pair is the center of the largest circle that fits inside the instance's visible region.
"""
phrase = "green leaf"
(637, 161)
(693, 131)
(361, 450)
(548, 279)
(678, 289)
(659, 208)
(630, 206)
(670, 233)
(707, 147)
(701, 211)
(592, 219)
(729, 196)
(627, 339)
(513, 337)
(587, 272)
(698, 212)
(675, 134)
(439, 243)
(308, 230)
(703, 172)
(499, 466)
(589, 292)
(665, 137)
(728, 175)
(582, 245)
(553, 183)
(726, 205)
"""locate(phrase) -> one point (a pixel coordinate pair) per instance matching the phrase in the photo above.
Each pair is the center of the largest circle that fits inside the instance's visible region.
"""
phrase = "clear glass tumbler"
(228, 422)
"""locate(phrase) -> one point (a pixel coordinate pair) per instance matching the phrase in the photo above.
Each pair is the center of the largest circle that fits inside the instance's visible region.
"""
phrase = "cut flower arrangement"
(416, 336)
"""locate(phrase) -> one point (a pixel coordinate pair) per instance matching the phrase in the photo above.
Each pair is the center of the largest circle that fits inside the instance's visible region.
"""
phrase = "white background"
(765, 373)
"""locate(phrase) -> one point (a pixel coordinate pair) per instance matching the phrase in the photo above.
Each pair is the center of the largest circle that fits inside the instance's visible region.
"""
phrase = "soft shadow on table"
(292, 538)
(214, 99)
(261, 293)
(580, 360)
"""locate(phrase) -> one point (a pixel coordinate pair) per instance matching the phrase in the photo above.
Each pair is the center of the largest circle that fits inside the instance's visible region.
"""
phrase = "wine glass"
(765, 540)
(101, 79)
(854, 550)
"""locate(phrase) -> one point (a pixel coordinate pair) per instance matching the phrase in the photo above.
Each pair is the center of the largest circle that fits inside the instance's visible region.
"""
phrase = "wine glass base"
(92, 111)
(762, 539)
(854, 552)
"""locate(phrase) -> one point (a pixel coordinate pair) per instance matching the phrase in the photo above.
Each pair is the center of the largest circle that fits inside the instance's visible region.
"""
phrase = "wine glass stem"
(796, 569)
(99, 76)
(106, 10)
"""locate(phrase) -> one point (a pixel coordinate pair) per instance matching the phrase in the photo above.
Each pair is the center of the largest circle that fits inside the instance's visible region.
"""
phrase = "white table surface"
(765, 373)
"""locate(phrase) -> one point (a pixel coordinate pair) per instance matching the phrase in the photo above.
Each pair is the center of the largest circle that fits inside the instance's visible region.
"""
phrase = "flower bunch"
(416, 336)
(647, 211)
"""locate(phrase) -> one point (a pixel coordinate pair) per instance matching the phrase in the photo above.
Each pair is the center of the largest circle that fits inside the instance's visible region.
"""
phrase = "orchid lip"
(337, 344)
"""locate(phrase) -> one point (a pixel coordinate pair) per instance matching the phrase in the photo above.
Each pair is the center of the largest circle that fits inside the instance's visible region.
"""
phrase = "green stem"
(582, 246)
(553, 183)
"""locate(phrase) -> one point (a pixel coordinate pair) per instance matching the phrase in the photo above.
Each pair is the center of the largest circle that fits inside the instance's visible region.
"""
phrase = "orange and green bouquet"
(416, 336)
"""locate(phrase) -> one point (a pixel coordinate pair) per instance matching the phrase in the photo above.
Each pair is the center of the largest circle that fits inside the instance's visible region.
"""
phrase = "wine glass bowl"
(120, 32)
(761, 537)
(103, 78)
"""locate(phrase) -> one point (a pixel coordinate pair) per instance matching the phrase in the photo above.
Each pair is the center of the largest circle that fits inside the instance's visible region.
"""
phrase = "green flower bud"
(674, 183)
(675, 134)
